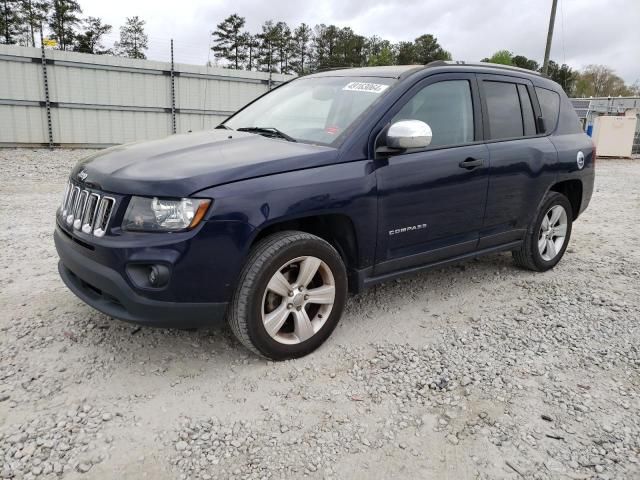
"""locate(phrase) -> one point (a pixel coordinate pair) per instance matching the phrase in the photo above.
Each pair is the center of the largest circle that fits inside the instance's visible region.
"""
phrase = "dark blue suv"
(330, 183)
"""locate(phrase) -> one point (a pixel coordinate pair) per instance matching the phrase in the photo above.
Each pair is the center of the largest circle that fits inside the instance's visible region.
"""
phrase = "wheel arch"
(337, 229)
(572, 189)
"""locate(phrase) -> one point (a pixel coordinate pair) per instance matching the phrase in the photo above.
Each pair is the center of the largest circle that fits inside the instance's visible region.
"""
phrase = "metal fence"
(72, 99)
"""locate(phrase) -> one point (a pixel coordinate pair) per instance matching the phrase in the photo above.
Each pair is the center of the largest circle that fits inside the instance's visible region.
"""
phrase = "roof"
(397, 71)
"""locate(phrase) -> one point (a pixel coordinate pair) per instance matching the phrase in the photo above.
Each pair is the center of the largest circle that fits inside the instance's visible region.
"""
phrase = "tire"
(279, 262)
(530, 255)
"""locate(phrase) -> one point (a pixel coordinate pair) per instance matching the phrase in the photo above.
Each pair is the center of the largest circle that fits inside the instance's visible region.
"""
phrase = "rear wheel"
(290, 295)
(548, 236)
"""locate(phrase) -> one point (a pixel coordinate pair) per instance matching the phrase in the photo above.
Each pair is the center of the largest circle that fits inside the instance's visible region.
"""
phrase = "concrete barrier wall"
(99, 100)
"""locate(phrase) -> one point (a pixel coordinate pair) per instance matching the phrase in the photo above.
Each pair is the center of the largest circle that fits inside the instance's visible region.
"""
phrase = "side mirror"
(409, 134)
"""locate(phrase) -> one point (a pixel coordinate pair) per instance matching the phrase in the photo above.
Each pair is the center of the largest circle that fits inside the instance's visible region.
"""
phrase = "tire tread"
(524, 256)
(259, 255)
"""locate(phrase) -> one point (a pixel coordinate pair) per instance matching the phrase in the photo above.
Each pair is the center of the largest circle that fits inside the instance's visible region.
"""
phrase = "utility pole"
(547, 50)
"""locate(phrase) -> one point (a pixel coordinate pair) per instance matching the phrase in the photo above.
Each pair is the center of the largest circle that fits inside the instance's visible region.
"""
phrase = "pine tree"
(64, 18)
(325, 40)
(230, 41)
(406, 53)
(251, 44)
(133, 39)
(524, 62)
(268, 51)
(34, 13)
(11, 22)
(378, 52)
(301, 49)
(349, 48)
(427, 49)
(90, 40)
(283, 45)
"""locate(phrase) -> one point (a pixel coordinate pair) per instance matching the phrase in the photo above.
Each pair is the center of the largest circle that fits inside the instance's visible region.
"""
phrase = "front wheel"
(548, 235)
(290, 295)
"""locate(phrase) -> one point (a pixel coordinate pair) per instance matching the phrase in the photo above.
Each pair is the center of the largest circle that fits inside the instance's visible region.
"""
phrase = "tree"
(427, 49)
(133, 39)
(268, 51)
(350, 49)
(283, 44)
(229, 40)
(301, 48)
(600, 81)
(251, 44)
(501, 57)
(11, 22)
(406, 53)
(384, 57)
(34, 13)
(524, 62)
(64, 18)
(90, 40)
(379, 52)
(564, 75)
(325, 39)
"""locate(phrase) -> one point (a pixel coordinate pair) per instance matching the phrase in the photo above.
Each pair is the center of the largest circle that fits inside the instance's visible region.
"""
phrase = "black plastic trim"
(107, 291)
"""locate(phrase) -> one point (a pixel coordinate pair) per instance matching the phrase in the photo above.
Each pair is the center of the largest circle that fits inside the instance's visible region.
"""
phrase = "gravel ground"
(476, 371)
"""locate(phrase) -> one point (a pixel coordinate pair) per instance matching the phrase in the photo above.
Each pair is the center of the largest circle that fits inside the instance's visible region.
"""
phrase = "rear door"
(431, 202)
(522, 158)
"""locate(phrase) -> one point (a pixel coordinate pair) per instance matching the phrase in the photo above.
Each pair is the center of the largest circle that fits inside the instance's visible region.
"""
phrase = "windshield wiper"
(268, 132)
(222, 126)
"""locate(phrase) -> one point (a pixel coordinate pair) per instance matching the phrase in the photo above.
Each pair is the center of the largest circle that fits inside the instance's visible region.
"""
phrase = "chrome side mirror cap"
(409, 134)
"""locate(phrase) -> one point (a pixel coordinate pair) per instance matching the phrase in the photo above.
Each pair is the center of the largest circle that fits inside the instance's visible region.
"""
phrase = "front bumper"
(106, 290)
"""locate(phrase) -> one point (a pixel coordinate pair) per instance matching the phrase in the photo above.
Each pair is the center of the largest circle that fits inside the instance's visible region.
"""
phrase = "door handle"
(471, 163)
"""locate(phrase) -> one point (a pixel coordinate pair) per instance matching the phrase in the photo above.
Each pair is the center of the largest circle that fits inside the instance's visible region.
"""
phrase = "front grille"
(86, 210)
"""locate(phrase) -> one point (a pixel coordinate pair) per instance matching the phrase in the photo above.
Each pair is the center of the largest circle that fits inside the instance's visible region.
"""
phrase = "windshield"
(314, 109)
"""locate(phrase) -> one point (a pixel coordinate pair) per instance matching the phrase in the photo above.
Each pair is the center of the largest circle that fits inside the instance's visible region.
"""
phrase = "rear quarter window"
(550, 106)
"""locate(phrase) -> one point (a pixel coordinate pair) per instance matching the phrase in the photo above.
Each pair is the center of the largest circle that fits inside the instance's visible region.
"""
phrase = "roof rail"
(450, 63)
(331, 69)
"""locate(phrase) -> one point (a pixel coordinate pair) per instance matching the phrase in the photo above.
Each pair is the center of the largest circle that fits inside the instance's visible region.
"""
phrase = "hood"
(180, 165)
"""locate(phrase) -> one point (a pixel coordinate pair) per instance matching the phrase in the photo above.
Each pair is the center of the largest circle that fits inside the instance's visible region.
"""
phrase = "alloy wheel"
(553, 232)
(298, 300)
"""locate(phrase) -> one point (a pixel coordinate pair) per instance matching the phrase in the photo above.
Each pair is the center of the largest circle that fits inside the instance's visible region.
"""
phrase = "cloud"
(586, 31)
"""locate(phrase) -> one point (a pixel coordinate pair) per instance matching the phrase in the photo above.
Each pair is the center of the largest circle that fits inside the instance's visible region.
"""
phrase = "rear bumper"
(106, 290)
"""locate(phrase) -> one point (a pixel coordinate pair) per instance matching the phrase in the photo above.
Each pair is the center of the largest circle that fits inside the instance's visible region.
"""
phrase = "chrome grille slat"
(71, 207)
(103, 216)
(89, 216)
(85, 210)
(78, 212)
(65, 196)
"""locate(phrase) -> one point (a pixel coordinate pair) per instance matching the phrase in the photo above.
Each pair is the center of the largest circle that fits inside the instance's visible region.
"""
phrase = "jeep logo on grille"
(82, 176)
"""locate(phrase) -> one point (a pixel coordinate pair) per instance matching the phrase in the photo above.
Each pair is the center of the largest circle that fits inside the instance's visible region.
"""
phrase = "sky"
(586, 31)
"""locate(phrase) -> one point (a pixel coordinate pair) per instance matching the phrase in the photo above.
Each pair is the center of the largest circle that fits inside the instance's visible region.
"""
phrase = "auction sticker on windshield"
(365, 87)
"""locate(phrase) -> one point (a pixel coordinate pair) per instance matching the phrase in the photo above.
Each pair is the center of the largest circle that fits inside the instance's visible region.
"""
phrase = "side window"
(447, 108)
(550, 106)
(527, 111)
(503, 105)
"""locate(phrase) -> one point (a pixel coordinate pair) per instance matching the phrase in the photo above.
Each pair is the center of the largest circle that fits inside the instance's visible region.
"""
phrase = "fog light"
(158, 275)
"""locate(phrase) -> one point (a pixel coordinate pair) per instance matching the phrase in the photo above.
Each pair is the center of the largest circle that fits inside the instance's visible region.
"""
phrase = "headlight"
(164, 214)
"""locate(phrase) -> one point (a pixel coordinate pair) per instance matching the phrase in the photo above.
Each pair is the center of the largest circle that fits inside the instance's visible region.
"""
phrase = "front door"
(431, 203)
